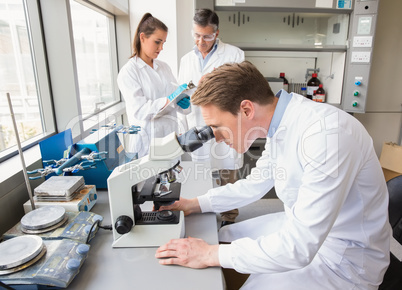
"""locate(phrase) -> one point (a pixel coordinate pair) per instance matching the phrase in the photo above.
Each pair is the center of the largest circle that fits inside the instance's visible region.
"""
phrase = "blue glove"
(184, 103)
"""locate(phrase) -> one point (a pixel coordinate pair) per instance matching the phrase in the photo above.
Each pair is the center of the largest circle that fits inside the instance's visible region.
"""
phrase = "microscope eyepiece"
(194, 138)
(206, 133)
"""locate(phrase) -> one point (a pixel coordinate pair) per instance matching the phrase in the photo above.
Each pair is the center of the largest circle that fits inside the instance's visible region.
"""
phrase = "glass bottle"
(319, 94)
(312, 85)
(304, 92)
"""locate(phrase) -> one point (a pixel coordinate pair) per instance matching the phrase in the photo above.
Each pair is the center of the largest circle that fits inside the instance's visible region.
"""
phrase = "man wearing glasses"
(209, 53)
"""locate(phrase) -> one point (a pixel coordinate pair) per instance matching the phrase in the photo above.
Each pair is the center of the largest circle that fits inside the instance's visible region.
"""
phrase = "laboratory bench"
(137, 268)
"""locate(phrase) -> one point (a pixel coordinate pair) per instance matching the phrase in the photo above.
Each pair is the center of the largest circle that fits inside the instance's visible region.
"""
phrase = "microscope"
(151, 178)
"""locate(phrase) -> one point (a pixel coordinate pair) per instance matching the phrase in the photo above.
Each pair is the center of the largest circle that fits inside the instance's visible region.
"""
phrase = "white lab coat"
(144, 90)
(334, 231)
(220, 155)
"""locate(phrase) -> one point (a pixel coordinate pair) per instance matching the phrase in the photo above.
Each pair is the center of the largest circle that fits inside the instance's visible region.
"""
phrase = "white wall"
(164, 11)
(185, 42)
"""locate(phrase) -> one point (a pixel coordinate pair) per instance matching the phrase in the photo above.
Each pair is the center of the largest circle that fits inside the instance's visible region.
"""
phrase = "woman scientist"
(145, 84)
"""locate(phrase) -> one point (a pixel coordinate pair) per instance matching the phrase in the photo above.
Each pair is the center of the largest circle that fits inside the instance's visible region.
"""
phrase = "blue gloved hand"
(177, 92)
(184, 103)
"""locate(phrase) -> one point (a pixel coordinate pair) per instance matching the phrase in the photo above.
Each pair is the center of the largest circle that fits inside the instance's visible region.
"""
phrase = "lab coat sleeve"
(240, 57)
(137, 104)
(242, 192)
(329, 169)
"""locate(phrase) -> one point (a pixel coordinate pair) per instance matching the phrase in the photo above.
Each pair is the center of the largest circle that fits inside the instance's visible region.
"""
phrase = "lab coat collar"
(284, 99)
(217, 50)
(204, 62)
(142, 64)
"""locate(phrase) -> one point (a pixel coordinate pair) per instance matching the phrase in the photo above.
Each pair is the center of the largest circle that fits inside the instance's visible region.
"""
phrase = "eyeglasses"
(206, 37)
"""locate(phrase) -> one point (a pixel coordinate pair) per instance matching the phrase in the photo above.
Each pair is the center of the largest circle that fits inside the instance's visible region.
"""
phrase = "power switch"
(358, 81)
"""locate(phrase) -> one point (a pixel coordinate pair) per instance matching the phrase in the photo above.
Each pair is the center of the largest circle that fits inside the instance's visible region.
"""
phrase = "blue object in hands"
(177, 92)
(184, 103)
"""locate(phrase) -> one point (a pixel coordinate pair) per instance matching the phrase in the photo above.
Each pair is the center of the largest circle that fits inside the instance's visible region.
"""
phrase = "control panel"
(359, 55)
(56, 269)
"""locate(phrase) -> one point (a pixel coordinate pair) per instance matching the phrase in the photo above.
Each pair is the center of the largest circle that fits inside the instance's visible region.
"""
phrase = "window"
(18, 76)
(36, 45)
(95, 53)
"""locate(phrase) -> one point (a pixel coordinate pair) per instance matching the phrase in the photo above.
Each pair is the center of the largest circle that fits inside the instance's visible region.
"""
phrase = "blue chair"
(393, 275)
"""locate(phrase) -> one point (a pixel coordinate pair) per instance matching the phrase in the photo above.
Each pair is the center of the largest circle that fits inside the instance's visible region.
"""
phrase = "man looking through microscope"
(334, 232)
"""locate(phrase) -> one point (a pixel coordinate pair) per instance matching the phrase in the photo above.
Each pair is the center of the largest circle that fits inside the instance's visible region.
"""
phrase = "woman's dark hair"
(147, 25)
(206, 17)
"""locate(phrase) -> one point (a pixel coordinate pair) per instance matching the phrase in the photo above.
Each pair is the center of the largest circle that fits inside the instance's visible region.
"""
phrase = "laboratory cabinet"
(332, 38)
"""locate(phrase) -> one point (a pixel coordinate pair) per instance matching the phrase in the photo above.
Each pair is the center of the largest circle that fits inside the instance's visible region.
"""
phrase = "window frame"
(113, 56)
(39, 60)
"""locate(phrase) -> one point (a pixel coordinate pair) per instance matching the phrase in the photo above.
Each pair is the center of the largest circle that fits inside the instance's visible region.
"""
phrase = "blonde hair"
(228, 85)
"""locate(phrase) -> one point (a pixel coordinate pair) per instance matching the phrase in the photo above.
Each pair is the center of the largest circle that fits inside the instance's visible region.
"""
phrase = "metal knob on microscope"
(123, 224)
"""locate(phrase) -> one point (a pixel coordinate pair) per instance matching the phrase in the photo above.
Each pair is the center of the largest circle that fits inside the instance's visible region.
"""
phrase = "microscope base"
(144, 236)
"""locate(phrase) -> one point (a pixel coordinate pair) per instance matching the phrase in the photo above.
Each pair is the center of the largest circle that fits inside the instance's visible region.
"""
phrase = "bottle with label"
(304, 92)
(285, 82)
(312, 85)
(319, 95)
